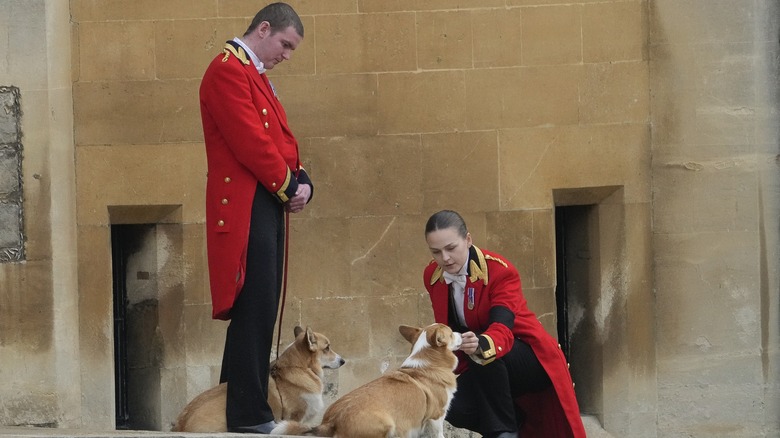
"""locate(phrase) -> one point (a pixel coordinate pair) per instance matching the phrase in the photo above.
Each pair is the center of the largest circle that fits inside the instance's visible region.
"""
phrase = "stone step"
(592, 427)
(40, 432)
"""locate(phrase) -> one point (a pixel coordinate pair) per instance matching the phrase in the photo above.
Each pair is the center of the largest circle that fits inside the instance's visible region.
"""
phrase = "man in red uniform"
(512, 375)
(254, 175)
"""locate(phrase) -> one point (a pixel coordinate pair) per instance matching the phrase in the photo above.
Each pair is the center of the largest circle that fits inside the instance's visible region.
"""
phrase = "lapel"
(261, 81)
(476, 271)
(476, 280)
(268, 90)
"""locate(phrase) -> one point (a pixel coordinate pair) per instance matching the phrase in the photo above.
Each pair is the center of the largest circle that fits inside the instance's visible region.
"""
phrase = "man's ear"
(468, 240)
(264, 29)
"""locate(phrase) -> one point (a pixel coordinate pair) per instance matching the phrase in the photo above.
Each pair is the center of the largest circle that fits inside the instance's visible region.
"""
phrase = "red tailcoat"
(495, 282)
(248, 142)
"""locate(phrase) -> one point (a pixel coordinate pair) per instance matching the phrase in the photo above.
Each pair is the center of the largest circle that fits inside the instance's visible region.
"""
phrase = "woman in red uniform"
(513, 379)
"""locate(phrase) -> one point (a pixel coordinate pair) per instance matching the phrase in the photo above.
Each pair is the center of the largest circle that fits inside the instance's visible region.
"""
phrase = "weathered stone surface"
(9, 115)
(11, 196)
(658, 117)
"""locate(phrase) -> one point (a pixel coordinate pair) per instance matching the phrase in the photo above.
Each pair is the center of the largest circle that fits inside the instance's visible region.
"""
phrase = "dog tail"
(295, 428)
(178, 426)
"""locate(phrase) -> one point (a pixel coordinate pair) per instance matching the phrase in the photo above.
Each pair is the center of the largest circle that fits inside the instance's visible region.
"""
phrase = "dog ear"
(297, 331)
(409, 333)
(311, 338)
(443, 335)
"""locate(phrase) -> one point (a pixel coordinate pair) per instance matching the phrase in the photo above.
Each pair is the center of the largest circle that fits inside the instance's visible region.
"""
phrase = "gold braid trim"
(487, 356)
(239, 53)
(437, 274)
(280, 193)
(496, 259)
(479, 270)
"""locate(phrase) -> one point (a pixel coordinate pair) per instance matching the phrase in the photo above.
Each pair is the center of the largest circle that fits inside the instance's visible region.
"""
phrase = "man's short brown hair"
(280, 16)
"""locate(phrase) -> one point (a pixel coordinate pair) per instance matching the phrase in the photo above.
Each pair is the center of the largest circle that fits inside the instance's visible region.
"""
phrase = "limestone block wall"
(401, 109)
(716, 213)
(656, 121)
(39, 361)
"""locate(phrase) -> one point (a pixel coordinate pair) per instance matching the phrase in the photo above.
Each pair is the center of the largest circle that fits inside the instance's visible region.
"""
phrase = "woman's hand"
(469, 343)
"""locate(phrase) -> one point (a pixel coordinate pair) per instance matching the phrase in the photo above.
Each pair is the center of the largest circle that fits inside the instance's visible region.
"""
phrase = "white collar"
(255, 60)
(460, 277)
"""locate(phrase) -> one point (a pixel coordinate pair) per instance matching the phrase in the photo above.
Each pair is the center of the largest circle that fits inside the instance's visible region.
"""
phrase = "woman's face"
(450, 250)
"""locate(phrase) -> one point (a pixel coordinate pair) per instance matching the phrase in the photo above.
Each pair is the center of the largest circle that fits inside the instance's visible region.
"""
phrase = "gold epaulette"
(478, 268)
(490, 257)
(437, 274)
(239, 53)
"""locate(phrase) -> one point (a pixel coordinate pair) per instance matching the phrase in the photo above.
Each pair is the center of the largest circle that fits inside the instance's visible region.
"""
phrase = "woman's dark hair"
(446, 219)
(280, 16)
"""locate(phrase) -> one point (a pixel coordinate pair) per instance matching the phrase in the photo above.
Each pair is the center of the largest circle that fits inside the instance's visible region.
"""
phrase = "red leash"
(284, 279)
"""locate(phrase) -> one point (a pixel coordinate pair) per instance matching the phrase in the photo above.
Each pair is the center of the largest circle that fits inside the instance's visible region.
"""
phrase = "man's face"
(275, 47)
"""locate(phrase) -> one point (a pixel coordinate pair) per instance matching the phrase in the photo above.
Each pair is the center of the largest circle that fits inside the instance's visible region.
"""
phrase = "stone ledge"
(40, 432)
(592, 427)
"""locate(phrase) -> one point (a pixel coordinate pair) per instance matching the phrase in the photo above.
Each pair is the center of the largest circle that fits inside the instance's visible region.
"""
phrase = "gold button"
(559, 346)
(224, 201)
(265, 112)
(266, 125)
(500, 348)
(221, 223)
(568, 365)
(273, 184)
(227, 179)
(572, 384)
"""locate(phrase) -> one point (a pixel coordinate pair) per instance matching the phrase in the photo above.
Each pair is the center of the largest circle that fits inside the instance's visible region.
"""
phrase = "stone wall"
(401, 109)
(506, 110)
(39, 360)
(11, 196)
(716, 216)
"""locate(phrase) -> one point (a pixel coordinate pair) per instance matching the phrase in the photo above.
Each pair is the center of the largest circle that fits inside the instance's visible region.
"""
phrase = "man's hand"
(469, 343)
(297, 202)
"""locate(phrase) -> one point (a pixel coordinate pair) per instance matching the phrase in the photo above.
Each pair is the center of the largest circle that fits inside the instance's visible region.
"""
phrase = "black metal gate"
(561, 301)
(119, 250)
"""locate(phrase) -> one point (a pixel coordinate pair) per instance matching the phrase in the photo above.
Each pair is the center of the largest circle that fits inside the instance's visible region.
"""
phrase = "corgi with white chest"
(402, 403)
(294, 388)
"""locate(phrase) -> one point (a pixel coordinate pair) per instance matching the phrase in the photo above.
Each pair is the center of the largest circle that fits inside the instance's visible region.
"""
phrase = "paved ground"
(39, 432)
(592, 427)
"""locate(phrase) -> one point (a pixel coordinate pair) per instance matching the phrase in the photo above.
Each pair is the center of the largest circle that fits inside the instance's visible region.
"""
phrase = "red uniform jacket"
(247, 142)
(495, 282)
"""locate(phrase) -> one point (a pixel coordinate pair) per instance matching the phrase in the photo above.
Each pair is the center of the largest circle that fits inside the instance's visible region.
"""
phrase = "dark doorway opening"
(590, 291)
(577, 296)
(573, 265)
(119, 250)
(135, 323)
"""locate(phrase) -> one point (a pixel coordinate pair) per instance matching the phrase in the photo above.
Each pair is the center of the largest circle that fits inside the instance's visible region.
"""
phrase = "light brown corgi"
(294, 387)
(403, 403)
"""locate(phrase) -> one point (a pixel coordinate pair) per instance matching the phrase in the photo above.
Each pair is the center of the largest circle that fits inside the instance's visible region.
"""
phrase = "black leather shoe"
(262, 429)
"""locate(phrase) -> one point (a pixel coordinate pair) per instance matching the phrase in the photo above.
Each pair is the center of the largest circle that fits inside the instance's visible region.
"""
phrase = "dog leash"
(284, 280)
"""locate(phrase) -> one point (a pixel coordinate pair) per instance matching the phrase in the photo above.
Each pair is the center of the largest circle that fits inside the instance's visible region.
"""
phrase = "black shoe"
(262, 429)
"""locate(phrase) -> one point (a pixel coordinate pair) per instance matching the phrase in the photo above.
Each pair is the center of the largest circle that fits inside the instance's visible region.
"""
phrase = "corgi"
(407, 402)
(294, 387)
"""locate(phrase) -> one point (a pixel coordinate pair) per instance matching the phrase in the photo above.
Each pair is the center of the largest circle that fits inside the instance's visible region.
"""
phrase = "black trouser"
(245, 363)
(484, 401)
